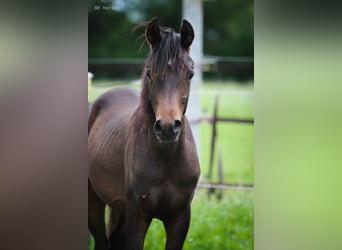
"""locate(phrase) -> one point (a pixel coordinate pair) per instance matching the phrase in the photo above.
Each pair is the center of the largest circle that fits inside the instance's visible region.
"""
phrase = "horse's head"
(168, 72)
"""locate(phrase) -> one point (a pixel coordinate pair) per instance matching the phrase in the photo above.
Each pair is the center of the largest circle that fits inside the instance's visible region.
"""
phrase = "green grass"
(234, 141)
(224, 224)
(101, 86)
(215, 224)
(228, 223)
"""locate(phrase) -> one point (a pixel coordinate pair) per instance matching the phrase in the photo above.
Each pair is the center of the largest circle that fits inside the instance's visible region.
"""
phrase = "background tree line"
(228, 26)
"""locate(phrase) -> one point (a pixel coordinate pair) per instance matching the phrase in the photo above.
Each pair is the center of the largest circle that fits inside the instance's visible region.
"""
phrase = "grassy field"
(222, 225)
(217, 224)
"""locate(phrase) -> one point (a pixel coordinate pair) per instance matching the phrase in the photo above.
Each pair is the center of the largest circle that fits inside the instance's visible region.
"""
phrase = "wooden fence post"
(213, 138)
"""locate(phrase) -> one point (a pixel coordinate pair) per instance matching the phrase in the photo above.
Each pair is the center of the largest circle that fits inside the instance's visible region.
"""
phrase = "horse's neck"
(143, 118)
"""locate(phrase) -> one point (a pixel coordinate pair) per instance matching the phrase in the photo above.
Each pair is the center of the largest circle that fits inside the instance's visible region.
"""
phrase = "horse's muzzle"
(167, 132)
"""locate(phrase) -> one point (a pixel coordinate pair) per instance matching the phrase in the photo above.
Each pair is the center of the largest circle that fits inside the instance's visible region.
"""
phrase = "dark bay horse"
(142, 155)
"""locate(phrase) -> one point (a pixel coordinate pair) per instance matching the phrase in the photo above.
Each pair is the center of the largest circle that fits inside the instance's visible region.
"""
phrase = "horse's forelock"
(167, 54)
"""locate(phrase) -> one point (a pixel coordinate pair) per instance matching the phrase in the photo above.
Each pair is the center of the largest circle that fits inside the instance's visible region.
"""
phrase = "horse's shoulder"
(115, 97)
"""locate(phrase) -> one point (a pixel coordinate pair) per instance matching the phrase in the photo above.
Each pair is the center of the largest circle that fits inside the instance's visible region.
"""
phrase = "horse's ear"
(187, 34)
(152, 32)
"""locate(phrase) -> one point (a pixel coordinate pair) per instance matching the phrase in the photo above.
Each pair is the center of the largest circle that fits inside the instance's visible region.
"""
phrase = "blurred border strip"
(297, 125)
(43, 128)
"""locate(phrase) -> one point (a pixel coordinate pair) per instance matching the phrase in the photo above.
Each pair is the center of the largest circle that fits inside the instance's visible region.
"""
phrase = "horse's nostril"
(167, 131)
(177, 126)
(157, 128)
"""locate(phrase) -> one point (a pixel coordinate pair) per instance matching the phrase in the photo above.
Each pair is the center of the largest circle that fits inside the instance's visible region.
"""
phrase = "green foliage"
(109, 36)
(110, 31)
(228, 26)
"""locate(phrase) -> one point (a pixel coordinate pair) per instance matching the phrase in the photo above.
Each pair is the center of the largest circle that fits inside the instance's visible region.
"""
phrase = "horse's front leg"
(137, 223)
(177, 229)
(96, 223)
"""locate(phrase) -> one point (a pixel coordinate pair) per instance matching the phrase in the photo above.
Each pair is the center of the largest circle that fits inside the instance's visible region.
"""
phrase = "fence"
(221, 185)
(209, 64)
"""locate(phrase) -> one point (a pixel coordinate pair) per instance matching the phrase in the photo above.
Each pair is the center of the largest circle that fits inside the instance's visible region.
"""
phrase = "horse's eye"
(184, 98)
(148, 74)
(190, 75)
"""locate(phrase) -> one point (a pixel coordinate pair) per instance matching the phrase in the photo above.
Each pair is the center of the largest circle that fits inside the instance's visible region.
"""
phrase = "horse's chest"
(166, 195)
(161, 200)
(163, 186)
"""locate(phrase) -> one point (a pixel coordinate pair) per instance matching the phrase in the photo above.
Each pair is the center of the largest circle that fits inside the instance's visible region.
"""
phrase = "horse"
(143, 161)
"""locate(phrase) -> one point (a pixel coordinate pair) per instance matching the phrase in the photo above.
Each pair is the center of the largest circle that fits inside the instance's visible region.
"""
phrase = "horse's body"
(142, 156)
